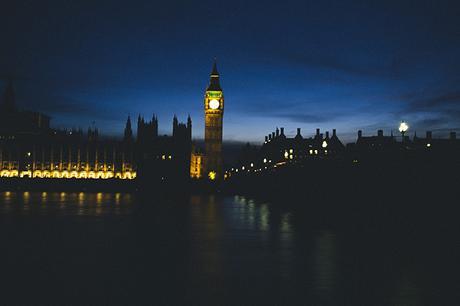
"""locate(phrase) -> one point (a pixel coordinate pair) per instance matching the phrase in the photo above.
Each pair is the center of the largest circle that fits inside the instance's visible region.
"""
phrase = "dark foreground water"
(99, 248)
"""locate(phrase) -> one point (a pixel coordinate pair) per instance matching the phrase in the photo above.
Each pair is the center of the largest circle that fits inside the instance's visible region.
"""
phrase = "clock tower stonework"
(213, 119)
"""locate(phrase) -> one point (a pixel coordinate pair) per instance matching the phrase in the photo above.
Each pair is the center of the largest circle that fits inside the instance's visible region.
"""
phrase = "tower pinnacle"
(214, 84)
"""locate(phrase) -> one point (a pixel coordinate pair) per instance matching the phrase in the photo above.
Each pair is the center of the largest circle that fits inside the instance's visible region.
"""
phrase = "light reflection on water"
(65, 203)
(228, 244)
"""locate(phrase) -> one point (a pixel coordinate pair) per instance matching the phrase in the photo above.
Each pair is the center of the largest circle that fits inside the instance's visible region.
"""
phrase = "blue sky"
(347, 65)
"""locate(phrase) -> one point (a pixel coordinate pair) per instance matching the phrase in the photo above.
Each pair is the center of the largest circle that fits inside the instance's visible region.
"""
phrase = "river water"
(116, 248)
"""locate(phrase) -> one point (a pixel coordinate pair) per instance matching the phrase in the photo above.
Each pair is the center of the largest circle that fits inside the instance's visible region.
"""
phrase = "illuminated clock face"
(214, 104)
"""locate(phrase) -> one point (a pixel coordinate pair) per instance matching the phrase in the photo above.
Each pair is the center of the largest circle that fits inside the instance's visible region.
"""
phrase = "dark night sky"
(329, 64)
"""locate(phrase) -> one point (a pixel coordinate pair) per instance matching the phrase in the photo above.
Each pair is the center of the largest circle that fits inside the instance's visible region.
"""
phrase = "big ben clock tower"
(213, 117)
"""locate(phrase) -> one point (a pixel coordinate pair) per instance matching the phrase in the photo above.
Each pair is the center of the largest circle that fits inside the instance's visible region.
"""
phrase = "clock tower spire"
(213, 116)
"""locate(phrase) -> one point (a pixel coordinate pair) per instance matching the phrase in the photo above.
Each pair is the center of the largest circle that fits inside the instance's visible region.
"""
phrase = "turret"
(128, 135)
(8, 103)
(189, 126)
(175, 124)
(140, 128)
(155, 125)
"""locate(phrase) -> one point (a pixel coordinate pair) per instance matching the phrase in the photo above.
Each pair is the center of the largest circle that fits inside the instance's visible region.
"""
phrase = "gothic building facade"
(30, 148)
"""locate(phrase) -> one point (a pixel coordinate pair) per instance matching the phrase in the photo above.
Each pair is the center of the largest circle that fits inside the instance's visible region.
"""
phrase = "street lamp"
(403, 127)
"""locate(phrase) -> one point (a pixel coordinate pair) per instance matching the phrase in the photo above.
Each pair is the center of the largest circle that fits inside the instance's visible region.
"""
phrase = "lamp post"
(403, 127)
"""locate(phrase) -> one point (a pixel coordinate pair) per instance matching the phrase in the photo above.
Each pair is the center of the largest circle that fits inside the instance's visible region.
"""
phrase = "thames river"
(122, 248)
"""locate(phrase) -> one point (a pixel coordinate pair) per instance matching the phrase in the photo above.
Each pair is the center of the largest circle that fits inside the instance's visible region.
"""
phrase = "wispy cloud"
(309, 118)
(446, 101)
(391, 69)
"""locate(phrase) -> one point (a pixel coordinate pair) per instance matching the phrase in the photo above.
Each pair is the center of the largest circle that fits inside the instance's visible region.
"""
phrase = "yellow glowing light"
(212, 175)
(311, 151)
(428, 145)
(25, 174)
(324, 144)
(316, 151)
(291, 150)
(242, 168)
(39, 174)
(252, 165)
(286, 154)
(214, 104)
(265, 160)
(403, 127)
(28, 153)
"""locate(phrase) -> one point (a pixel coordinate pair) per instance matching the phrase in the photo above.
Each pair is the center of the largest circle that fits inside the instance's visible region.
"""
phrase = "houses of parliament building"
(31, 148)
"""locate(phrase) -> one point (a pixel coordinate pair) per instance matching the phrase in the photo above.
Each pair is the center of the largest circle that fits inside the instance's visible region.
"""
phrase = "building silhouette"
(163, 158)
(30, 148)
(278, 150)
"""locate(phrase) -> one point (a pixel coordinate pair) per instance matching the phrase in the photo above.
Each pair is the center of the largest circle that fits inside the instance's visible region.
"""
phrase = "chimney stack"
(282, 131)
(277, 132)
(327, 134)
(360, 134)
(334, 133)
(317, 132)
(269, 136)
(266, 138)
(273, 135)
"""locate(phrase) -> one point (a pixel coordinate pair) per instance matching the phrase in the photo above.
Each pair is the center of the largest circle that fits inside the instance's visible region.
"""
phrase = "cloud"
(66, 106)
(448, 101)
(435, 111)
(309, 118)
(393, 69)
